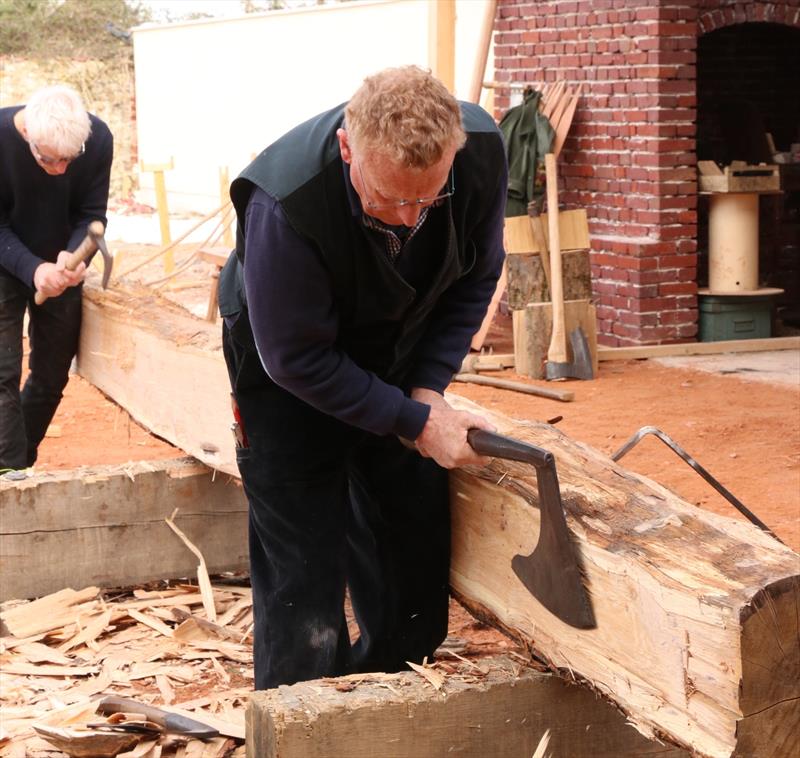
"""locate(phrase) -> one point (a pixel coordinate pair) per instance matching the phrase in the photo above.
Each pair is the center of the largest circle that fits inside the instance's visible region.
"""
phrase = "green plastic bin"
(735, 317)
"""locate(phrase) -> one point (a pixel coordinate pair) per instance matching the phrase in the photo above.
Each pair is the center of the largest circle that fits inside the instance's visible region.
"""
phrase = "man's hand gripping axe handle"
(94, 240)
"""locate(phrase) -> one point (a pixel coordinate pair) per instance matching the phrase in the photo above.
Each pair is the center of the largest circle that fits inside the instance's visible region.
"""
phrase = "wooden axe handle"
(80, 254)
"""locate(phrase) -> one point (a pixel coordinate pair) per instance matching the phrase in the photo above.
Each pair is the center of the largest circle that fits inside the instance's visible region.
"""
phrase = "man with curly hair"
(369, 244)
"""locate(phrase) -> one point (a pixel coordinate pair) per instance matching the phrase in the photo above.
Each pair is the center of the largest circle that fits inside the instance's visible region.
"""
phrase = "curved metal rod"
(675, 447)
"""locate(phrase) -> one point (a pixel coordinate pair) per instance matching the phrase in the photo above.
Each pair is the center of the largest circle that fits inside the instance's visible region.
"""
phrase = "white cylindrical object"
(733, 242)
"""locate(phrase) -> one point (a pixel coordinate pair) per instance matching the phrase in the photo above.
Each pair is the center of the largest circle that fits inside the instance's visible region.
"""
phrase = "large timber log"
(163, 366)
(697, 636)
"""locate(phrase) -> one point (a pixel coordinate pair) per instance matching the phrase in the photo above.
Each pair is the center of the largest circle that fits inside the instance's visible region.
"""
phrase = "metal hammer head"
(96, 232)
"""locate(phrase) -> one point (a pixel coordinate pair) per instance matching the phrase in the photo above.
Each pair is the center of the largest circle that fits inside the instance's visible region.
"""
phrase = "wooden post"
(158, 170)
(442, 41)
(482, 52)
(224, 198)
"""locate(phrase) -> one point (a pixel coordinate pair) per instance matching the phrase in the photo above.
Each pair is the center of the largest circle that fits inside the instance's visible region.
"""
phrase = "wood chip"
(434, 677)
(203, 579)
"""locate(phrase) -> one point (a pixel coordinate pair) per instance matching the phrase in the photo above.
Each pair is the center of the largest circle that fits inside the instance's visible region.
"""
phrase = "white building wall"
(213, 93)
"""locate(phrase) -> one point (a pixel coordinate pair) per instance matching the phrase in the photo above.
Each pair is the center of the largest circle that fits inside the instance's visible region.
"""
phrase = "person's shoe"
(13, 475)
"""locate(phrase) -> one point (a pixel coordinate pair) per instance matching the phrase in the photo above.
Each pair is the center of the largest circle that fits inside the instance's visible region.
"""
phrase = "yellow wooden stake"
(442, 41)
(158, 170)
(224, 198)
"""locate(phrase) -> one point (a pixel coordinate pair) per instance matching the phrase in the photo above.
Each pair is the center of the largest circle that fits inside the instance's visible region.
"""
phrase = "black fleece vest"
(382, 315)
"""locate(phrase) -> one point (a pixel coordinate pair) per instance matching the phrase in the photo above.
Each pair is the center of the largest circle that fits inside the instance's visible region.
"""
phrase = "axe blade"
(553, 573)
(108, 258)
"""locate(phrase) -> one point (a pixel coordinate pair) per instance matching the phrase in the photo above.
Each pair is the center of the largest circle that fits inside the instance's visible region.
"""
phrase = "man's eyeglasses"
(47, 161)
(449, 191)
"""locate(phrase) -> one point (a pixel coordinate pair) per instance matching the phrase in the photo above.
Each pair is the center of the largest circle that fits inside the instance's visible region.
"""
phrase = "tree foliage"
(44, 29)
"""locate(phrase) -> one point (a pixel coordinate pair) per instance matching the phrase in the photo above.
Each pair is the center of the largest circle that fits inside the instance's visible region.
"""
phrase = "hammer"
(93, 241)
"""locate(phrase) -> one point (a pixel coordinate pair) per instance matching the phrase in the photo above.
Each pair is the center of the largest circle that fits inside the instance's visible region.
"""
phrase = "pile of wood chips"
(63, 651)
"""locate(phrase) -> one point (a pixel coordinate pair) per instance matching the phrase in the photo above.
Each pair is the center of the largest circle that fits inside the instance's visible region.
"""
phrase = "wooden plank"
(105, 526)
(162, 365)
(501, 708)
(740, 178)
(532, 327)
(573, 232)
(527, 282)
(697, 348)
(696, 634)
(480, 336)
(564, 123)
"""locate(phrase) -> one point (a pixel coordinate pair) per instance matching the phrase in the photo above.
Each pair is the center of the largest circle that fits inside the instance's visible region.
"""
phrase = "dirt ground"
(745, 433)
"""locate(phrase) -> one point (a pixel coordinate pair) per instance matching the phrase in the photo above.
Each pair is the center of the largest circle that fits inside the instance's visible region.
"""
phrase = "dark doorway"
(748, 109)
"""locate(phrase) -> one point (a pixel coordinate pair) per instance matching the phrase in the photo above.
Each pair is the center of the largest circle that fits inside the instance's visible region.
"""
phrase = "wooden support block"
(527, 282)
(105, 526)
(697, 628)
(573, 229)
(497, 708)
(532, 328)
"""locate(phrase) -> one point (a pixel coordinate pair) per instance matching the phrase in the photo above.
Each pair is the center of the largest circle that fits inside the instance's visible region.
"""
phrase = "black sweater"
(317, 301)
(40, 215)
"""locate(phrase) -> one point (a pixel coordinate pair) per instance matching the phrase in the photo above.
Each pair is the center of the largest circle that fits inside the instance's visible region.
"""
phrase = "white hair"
(56, 118)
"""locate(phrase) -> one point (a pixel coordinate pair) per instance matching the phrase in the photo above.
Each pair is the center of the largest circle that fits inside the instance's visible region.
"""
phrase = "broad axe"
(93, 241)
(553, 572)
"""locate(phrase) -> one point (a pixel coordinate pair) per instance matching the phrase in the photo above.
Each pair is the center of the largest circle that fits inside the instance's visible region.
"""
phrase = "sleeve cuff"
(412, 419)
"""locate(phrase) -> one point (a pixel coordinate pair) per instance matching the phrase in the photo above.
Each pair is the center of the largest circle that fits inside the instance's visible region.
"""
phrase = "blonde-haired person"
(55, 166)
(369, 245)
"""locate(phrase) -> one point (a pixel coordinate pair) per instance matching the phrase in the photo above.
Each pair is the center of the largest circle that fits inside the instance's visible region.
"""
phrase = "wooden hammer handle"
(80, 254)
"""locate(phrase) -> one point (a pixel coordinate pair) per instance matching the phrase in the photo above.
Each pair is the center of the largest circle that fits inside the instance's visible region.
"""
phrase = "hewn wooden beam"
(496, 708)
(697, 629)
(105, 526)
(163, 366)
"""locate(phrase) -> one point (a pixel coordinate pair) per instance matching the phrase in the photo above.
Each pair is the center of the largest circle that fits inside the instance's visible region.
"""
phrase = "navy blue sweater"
(40, 215)
(295, 322)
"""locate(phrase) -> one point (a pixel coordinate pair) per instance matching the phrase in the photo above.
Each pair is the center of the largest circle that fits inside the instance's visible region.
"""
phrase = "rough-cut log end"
(697, 615)
(770, 684)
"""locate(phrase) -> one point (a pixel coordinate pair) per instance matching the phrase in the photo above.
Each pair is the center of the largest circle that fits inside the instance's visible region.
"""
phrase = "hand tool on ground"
(565, 396)
(553, 572)
(558, 365)
(93, 241)
(680, 452)
(173, 723)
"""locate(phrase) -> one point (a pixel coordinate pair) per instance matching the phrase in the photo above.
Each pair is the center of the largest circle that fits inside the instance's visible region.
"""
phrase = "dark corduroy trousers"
(332, 507)
(53, 331)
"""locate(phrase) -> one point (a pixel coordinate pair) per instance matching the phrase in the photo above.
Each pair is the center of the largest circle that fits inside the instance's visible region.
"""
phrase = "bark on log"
(697, 637)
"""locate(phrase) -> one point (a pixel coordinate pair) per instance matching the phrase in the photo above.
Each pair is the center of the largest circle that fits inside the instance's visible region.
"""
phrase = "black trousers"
(53, 330)
(332, 506)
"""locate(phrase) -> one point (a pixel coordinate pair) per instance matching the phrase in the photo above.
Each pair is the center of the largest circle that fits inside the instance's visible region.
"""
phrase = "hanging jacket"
(528, 137)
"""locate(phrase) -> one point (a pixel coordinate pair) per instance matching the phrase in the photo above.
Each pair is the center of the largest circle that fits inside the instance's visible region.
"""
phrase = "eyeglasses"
(423, 201)
(47, 161)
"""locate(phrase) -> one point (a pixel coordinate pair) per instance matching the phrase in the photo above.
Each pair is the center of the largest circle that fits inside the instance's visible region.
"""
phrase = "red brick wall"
(629, 159)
